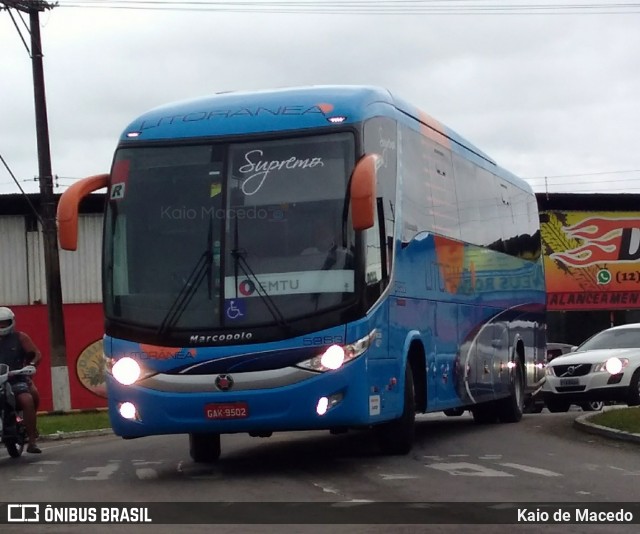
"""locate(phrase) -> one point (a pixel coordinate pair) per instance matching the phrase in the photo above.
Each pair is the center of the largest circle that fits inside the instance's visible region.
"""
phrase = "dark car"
(557, 349)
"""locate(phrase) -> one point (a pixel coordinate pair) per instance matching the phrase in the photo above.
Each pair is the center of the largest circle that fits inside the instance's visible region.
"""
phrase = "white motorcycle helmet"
(6, 316)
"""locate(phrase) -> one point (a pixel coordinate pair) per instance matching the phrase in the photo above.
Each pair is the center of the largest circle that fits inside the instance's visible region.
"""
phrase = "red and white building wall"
(23, 289)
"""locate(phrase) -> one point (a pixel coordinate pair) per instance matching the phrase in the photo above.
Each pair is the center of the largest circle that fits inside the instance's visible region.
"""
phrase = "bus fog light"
(128, 410)
(323, 406)
(326, 403)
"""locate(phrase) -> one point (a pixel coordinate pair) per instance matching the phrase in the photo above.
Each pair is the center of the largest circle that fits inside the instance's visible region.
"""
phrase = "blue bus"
(311, 258)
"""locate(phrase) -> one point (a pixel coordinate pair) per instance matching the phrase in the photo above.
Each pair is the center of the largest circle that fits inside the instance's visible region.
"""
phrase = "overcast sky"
(543, 94)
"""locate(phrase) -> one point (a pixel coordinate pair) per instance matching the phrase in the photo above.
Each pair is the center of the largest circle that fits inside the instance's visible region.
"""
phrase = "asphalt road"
(542, 459)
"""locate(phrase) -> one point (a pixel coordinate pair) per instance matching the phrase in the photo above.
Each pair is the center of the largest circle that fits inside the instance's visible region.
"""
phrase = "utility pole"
(59, 368)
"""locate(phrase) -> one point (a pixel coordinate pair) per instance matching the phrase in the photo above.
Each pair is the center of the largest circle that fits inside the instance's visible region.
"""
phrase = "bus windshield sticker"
(216, 188)
(258, 169)
(117, 191)
(291, 283)
(235, 309)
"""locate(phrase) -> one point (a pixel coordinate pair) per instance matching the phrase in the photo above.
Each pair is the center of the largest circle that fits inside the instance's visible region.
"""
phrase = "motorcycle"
(13, 433)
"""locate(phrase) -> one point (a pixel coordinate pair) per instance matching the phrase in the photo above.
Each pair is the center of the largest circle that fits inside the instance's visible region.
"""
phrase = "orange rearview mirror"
(363, 192)
(69, 205)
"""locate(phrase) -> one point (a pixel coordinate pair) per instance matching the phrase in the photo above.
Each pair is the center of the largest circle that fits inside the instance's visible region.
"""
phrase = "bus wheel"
(396, 437)
(204, 448)
(510, 409)
(454, 412)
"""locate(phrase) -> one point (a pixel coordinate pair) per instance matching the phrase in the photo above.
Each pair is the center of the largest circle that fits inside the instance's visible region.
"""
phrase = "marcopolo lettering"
(221, 338)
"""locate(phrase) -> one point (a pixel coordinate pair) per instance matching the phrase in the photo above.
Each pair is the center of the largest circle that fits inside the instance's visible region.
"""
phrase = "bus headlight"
(126, 371)
(336, 356)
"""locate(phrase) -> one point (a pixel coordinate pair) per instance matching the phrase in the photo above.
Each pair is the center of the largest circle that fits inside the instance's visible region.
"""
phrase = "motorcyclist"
(17, 350)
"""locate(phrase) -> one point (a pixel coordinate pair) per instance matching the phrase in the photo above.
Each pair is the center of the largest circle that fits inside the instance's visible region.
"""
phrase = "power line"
(581, 175)
(13, 176)
(24, 42)
(366, 7)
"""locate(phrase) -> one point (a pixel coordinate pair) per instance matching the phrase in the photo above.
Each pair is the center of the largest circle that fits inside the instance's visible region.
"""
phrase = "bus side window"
(380, 137)
(373, 254)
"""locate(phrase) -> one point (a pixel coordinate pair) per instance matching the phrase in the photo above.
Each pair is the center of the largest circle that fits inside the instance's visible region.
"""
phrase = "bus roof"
(293, 108)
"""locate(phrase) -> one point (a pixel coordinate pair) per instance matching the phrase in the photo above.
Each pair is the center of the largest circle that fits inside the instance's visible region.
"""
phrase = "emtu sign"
(592, 259)
(290, 283)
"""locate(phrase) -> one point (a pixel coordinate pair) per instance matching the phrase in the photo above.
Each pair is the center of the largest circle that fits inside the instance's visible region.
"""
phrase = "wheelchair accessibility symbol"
(234, 309)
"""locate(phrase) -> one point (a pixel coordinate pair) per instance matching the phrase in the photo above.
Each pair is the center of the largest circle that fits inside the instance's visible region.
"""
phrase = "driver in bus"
(323, 240)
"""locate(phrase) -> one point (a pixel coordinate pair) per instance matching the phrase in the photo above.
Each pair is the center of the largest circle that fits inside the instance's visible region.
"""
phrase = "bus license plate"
(569, 381)
(226, 410)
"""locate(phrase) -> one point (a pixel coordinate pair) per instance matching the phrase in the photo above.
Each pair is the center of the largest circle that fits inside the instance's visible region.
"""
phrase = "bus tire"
(204, 448)
(511, 408)
(396, 437)
(454, 412)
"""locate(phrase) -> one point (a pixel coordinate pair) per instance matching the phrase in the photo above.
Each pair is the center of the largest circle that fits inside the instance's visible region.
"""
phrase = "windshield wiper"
(202, 269)
(240, 260)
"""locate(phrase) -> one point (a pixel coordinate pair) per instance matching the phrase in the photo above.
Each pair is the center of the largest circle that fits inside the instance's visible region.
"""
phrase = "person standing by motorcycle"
(17, 350)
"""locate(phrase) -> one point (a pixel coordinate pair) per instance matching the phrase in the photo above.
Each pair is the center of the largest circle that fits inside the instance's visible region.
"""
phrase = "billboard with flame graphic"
(591, 259)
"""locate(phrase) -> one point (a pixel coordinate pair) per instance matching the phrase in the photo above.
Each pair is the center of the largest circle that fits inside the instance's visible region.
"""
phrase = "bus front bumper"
(166, 406)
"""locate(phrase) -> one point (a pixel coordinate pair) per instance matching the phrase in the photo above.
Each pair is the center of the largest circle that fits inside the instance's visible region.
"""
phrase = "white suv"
(606, 367)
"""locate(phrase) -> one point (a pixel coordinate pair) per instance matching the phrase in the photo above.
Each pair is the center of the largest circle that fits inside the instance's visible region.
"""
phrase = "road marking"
(146, 473)
(398, 477)
(467, 469)
(491, 457)
(434, 458)
(101, 473)
(326, 489)
(533, 470)
(41, 467)
(197, 471)
(625, 471)
(144, 462)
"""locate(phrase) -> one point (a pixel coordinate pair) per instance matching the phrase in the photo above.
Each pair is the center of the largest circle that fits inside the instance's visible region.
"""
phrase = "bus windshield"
(217, 236)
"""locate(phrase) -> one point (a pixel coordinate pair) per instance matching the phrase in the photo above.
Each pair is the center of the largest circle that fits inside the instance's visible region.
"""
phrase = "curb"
(77, 434)
(583, 423)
